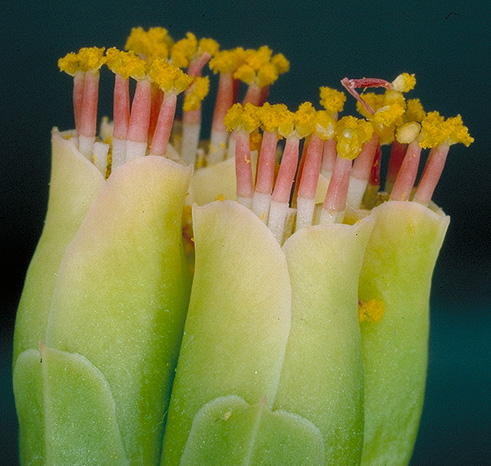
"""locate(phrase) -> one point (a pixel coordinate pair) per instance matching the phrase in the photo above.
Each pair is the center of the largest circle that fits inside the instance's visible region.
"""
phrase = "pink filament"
(78, 94)
(335, 200)
(121, 107)
(224, 100)
(363, 163)
(286, 174)
(311, 168)
(328, 155)
(407, 174)
(194, 69)
(431, 174)
(266, 163)
(396, 157)
(140, 112)
(253, 95)
(88, 111)
(243, 168)
(163, 128)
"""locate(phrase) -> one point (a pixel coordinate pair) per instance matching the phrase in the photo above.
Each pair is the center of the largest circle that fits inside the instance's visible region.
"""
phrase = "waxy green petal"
(238, 320)
(74, 184)
(66, 411)
(228, 431)
(322, 376)
(122, 294)
(397, 270)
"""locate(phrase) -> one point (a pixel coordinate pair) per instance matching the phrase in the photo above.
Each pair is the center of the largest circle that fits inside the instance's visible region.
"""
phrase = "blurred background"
(447, 46)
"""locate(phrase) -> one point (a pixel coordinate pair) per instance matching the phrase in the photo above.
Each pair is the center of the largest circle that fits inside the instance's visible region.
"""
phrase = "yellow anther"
(227, 60)
(433, 131)
(404, 82)
(184, 50)
(371, 311)
(271, 116)
(267, 75)
(458, 132)
(125, 64)
(208, 45)
(255, 139)
(87, 59)
(168, 77)
(331, 99)
(325, 124)
(375, 101)
(414, 111)
(281, 64)
(242, 118)
(305, 120)
(389, 115)
(351, 134)
(408, 132)
(245, 73)
(199, 90)
(150, 44)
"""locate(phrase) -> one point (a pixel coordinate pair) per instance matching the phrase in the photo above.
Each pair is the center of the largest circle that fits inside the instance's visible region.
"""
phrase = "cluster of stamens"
(325, 165)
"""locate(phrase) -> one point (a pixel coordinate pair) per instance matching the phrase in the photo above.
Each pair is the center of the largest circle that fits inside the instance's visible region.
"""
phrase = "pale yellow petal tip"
(351, 134)
(331, 99)
(371, 311)
(87, 59)
(404, 82)
(168, 77)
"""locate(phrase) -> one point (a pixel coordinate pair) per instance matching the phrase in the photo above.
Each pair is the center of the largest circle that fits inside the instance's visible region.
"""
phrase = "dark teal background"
(447, 46)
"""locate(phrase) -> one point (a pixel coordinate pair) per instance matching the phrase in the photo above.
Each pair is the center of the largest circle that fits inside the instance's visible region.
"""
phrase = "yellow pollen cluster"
(156, 42)
(208, 45)
(125, 64)
(87, 59)
(371, 311)
(375, 101)
(433, 131)
(227, 61)
(198, 91)
(389, 115)
(414, 111)
(408, 132)
(331, 99)
(168, 77)
(458, 132)
(242, 118)
(304, 120)
(325, 124)
(404, 82)
(184, 51)
(351, 134)
(272, 116)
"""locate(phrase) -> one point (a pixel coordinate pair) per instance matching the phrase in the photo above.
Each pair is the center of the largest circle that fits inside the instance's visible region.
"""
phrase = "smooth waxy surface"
(238, 319)
(74, 185)
(397, 270)
(322, 376)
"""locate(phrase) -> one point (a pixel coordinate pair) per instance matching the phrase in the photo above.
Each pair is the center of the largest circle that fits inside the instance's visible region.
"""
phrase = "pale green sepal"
(322, 376)
(238, 319)
(122, 294)
(228, 431)
(74, 184)
(66, 411)
(397, 270)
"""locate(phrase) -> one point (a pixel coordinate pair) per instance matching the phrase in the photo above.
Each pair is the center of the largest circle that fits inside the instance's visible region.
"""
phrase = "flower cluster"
(253, 296)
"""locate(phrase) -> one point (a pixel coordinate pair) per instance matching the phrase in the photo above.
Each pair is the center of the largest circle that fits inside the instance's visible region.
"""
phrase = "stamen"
(335, 200)
(136, 144)
(397, 152)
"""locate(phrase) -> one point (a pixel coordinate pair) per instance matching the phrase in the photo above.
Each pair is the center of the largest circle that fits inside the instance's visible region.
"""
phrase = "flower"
(253, 296)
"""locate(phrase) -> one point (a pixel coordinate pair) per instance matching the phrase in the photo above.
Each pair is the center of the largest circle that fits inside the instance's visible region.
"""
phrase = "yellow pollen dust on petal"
(198, 91)
(414, 111)
(351, 134)
(206, 44)
(125, 64)
(331, 99)
(371, 311)
(184, 50)
(325, 124)
(242, 118)
(169, 77)
(404, 82)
